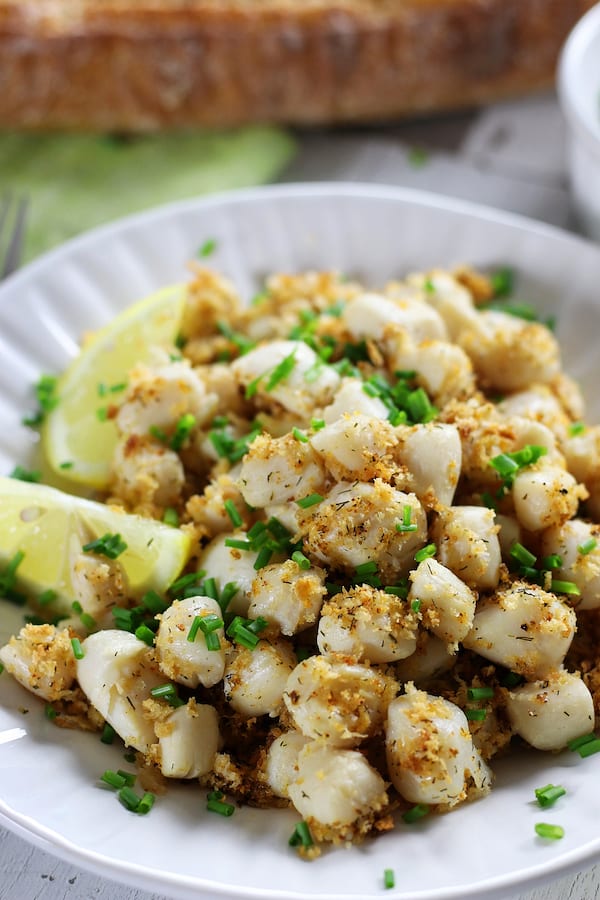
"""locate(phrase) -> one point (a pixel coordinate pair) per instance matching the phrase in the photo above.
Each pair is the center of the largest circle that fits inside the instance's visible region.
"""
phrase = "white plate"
(48, 777)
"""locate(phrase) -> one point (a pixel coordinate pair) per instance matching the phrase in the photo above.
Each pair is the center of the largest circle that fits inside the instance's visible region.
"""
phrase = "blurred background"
(108, 107)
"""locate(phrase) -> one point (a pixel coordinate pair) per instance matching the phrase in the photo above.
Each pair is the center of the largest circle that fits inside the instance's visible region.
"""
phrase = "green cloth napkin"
(75, 182)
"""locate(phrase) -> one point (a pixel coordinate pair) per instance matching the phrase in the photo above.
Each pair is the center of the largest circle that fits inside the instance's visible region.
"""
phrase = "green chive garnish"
(300, 559)
(110, 545)
(309, 501)
(578, 742)
(301, 836)
(588, 546)
(31, 475)
(475, 715)
(145, 634)
(183, 429)
(214, 803)
(480, 693)
(389, 880)
(549, 794)
(208, 247)
(108, 734)
(522, 555)
(565, 587)
(550, 832)
(233, 513)
(406, 524)
(415, 813)
(78, 651)
(171, 517)
(576, 428)
(425, 553)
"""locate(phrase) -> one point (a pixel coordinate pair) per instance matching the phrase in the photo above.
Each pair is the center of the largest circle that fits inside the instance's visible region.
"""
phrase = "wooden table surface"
(510, 156)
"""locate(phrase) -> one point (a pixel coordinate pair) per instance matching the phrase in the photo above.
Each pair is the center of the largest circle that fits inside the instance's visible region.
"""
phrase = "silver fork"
(13, 215)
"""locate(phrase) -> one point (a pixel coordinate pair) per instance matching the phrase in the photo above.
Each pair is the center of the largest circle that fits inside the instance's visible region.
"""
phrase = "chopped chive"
(511, 680)
(317, 424)
(159, 433)
(78, 651)
(183, 429)
(508, 464)
(243, 343)
(46, 597)
(550, 832)
(109, 545)
(145, 634)
(113, 779)
(389, 880)
(171, 517)
(576, 428)
(281, 371)
(589, 748)
(398, 590)
(129, 777)
(102, 413)
(213, 804)
(45, 392)
(129, 798)
(192, 578)
(108, 734)
(475, 715)
(227, 594)
(425, 553)
(480, 693)
(502, 281)
(578, 742)
(301, 836)
(300, 559)
(554, 561)
(238, 545)
(299, 435)
(50, 712)
(522, 554)
(129, 756)
(263, 558)
(167, 692)
(549, 794)
(565, 587)
(87, 621)
(415, 605)
(415, 813)
(420, 407)
(406, 524)
(366, 568)
(588, 546)
(208, 247)
(32, 476)
(210, 589)
(67, 464)
(233, 513)
(311, 500)
(145, 804)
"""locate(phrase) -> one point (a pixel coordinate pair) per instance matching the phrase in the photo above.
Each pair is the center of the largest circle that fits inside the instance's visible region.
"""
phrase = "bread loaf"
(145, 65)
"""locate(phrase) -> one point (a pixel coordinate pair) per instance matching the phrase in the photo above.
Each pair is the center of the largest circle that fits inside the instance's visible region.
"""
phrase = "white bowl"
(49, 789)
(579, 93)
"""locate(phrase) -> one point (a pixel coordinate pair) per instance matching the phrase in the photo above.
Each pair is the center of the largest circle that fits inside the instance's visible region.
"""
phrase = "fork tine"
(15, 246)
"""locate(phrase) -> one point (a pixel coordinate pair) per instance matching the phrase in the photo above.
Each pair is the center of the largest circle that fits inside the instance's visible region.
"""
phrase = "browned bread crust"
(144, 65)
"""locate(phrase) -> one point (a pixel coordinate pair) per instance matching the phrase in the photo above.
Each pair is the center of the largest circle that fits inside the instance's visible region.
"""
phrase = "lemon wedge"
(48, 528)
(78, 437)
